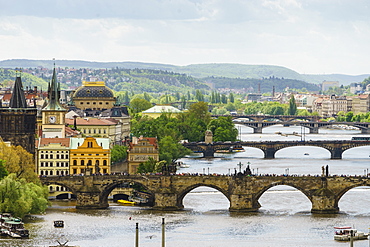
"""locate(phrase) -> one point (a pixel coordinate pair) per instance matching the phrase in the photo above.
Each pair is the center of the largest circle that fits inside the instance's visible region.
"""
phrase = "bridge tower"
(208, 137)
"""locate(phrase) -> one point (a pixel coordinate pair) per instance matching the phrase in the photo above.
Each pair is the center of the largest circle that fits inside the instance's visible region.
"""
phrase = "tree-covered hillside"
(266, 84)
(7, 78)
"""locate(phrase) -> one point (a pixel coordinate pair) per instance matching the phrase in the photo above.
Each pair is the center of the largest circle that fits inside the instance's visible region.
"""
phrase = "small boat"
(58, 223)
(13, 227)
(343, 233)
(306, 154)
(125, 202)
(180, 164)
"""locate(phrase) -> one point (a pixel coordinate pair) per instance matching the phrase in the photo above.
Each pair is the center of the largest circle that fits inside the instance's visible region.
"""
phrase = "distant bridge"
(269, 148)
(243, 192)
(258, 122)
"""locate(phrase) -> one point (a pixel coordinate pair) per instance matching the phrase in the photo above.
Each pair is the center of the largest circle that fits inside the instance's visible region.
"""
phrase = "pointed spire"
(18, 100)
(54, 93)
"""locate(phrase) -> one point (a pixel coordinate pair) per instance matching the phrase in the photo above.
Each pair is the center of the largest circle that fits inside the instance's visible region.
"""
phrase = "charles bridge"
(258, 122)
(269, 148)
(243, 192)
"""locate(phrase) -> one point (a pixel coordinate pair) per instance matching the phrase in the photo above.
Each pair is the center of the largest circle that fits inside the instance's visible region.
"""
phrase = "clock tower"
(53, 114)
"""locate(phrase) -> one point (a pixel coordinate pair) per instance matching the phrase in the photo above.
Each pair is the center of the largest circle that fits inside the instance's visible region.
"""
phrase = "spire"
(18, 100)
(53, 93)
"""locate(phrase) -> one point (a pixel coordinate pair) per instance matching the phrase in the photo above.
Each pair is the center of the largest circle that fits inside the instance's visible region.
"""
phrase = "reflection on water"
(284, 218)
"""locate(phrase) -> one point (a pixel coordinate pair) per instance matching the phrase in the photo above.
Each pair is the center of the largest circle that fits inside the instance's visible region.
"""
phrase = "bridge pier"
(336, 153)
(90, 200)
(258, 129)
(166, 201)
(243, 203)
(209, 152)
(324, 203)
(314, 130)
(365, 131)
(269, 153)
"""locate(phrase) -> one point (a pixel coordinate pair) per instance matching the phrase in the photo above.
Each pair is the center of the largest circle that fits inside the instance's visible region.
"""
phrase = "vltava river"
(283, 220)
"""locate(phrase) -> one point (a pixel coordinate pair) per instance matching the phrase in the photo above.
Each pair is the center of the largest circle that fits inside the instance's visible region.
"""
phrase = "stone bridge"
(243, 192)
(269, 148)
(314, 127)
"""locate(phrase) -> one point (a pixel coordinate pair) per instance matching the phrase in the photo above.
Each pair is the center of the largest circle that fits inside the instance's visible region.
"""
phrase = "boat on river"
(13, 227)
(126, 202)
(343, 233)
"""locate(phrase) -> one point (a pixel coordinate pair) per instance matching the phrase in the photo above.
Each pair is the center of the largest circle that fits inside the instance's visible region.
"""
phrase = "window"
(62, 156)
(42, 164)
(42, 156)
(57, 156)
(104, 162)
(90, 144)
(51, 172)
(51, 156)
(82, 162)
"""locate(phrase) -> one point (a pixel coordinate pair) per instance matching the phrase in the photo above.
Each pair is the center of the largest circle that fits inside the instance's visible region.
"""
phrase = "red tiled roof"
(92, 121)
(47, 141)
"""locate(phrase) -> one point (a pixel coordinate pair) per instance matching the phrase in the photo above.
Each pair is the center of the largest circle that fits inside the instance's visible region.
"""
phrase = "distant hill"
(196, 70)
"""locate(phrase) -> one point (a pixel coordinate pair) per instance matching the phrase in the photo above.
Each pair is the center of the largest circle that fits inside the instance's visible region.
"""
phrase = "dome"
(96, 92)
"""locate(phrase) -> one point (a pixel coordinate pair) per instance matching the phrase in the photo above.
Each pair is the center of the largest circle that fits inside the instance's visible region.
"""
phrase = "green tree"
(170, 150)
(138, 105)
(3, 171)
(223, 129)
(231, 97)
(118, 153)
(20, 198)
(150, 166)
(349, 116)
(292, 110)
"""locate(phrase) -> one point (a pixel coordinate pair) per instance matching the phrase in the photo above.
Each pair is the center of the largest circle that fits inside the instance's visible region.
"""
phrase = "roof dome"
(88, 91)
(94, 89)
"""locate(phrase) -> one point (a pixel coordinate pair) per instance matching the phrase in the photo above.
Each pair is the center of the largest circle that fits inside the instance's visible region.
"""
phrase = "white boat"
(181, 164)
(344, 233)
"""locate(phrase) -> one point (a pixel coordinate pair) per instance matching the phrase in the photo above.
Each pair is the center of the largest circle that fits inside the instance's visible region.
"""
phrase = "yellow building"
(90, 153)
(93, 95)
(157, 110)
(140, 151)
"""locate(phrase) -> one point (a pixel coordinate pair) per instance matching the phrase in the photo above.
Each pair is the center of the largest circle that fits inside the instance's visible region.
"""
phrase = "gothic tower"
(53, 114)
(18, 122)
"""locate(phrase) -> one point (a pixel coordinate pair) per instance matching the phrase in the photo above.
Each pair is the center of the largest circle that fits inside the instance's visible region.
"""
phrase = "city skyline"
(310, 37)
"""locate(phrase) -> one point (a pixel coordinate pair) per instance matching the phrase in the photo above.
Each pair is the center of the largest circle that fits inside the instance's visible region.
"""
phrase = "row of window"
(51, 173)
(94, 131)
(51, 156)
(58, 188)
(53, 151)
(89, 162)
(89, 154)
(94, 103)
(50, 164)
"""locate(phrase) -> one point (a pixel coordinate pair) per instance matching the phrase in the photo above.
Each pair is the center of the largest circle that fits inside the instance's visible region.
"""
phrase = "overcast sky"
(308, 36)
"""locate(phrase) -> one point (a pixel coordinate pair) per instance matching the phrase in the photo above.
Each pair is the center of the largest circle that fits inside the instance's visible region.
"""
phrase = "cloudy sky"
(308, 36)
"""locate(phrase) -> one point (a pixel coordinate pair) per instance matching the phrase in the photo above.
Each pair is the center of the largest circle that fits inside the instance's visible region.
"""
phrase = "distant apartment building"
(356, 88)
(329, 106)
(328, 84)
(360, 103)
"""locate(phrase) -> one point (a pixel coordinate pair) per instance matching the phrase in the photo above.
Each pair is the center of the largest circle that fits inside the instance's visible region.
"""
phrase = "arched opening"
(355, 201)
(251, 152)
(204, 198)
(130, 191)
(362, 152)
(299, 152)
(284, 199)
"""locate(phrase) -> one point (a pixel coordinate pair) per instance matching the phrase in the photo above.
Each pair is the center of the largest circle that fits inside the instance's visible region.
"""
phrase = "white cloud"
(309, 36)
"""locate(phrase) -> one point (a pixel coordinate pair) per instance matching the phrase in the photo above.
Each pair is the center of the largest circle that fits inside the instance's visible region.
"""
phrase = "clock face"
(52, 119)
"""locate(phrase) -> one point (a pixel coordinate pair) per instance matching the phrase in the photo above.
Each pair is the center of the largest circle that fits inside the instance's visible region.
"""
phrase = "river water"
(283, 220)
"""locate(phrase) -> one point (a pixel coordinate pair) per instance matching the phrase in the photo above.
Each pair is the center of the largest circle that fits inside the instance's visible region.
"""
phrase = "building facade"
(141, 149)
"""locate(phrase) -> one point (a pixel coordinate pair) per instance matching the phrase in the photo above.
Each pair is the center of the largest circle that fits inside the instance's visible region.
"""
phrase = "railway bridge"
(243, 192)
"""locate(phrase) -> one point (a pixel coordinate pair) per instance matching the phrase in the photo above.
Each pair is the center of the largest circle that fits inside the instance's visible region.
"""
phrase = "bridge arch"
(291, 149)
(274, 184)
(110, 187)
(70, 188)
(184, 192)
(347, 201)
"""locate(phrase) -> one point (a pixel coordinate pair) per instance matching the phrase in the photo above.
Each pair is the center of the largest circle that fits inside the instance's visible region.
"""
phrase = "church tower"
(53, 114)
(18, 122)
